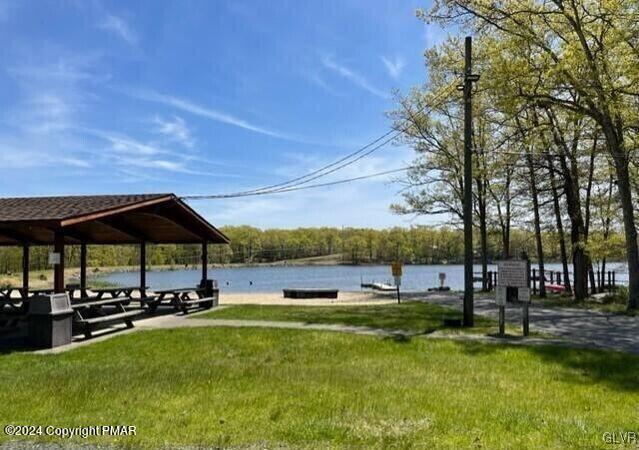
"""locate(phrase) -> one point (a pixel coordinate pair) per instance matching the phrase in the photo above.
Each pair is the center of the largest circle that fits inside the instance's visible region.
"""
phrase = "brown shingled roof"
(103, 219)
(60, 208)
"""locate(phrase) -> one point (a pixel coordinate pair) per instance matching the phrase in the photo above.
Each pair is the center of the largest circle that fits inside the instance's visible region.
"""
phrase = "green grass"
(589, 303)
(412, 316)
(306, 389)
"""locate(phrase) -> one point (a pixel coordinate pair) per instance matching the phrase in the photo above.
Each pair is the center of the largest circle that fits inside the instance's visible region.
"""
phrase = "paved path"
(181, 321)
(569, 326)
(581, 327)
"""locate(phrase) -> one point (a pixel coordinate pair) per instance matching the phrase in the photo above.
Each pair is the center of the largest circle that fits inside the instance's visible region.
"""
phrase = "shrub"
(617, 297)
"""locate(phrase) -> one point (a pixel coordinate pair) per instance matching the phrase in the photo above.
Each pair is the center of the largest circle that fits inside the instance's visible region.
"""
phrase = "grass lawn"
(411, 316)
(589, 303)
(309, 389)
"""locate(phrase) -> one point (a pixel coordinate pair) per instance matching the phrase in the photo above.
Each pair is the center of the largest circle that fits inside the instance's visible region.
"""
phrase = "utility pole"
(467, 87)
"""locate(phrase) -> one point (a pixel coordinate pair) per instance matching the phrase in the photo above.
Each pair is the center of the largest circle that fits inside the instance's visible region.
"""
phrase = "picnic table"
(45, 291)
(184, 298)
(89, 314)
(115, 292)
(6, 298)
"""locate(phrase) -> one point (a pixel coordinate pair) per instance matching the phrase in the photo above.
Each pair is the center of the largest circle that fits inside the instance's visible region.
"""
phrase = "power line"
(286, 188)
(298, 188)
(323, 171)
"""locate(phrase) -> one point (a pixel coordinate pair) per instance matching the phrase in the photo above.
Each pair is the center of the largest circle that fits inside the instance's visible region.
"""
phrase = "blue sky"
(206, 97)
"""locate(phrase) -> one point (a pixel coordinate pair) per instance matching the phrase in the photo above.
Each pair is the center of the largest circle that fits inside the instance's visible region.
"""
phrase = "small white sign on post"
(523, 294)
(501, 295)
(54, 258)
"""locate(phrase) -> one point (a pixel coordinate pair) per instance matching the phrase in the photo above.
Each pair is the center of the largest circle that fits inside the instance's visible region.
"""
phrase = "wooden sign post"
(501, 293)
(396, 270)
(513, 274)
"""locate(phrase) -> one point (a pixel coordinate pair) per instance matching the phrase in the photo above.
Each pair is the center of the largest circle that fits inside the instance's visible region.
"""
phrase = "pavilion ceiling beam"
(20, 238)
(123, 227)
(73, 234)
(168, 213)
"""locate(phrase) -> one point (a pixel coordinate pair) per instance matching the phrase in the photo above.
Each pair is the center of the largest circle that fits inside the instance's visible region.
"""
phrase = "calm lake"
(273, 279)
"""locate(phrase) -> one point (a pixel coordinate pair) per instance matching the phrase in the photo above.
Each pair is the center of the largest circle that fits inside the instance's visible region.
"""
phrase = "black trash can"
(50, 320)
(207, 286)
(210, 290)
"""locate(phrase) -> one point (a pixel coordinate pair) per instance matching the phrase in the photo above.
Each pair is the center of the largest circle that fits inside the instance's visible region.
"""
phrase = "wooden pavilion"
(101, 219)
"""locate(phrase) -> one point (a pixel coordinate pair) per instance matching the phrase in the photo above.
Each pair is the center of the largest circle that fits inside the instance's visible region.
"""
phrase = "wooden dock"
(383, 287)
(310, 293)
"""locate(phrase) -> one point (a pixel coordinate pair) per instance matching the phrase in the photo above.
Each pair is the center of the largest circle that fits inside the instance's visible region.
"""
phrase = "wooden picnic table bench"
(45, 291)
(14, 303)
(118, 291)
(89, 314)
(182, 298)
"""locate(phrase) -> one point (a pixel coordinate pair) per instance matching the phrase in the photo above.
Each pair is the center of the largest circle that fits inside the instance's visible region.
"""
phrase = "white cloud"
(209, 113)
(355, 78)
(14, 157)
(433, 34)
(394, 67)
(119, 27)
(123, 144)
(124, 152)
(175, 129)
(52, 91)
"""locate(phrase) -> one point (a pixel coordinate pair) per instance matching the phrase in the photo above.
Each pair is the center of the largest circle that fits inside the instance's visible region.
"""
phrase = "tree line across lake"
(249, 245)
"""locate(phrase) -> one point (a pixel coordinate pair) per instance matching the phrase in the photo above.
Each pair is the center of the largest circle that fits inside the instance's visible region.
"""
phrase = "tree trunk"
(483, 237)
(483, 234)
(591, 275)
(540, 250)
(560, 227)
(570, 176)
(630, 232)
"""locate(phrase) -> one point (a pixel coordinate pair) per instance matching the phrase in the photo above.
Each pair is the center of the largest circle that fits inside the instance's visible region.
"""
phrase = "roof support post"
(25, 271)
(58, 269)
(143, 269)
(83, 270)
(205, 261)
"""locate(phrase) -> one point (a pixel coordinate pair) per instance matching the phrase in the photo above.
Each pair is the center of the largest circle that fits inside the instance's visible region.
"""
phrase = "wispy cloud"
(352, 76)
(209, 113)
(17, 157)
(394, 67)
(175, 129)
(315, 78)
(123, 144)
(434, 34)
(124, 152)
(52, 91)
(119, 27)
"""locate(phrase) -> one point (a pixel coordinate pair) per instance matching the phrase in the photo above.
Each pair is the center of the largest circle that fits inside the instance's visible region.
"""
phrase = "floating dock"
(383, 287)
(310, 293)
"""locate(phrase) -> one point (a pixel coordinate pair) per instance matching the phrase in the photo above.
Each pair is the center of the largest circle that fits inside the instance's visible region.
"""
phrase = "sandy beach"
(276, 298)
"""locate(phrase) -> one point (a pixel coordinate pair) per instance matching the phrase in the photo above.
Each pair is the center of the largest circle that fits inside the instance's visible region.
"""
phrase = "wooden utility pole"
(467, 87)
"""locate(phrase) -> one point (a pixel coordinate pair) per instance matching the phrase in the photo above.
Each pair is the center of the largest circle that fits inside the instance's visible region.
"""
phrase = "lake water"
(274, 279)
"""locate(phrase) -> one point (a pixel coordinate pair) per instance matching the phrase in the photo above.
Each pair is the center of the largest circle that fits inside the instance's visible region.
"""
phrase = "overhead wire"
(299, 188)
(351, 158)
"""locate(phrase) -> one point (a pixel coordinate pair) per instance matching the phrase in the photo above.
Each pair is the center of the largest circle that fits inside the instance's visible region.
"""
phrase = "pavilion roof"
(103, 219)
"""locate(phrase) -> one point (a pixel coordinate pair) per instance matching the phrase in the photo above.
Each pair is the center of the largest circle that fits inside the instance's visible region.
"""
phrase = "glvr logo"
(621, 437)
